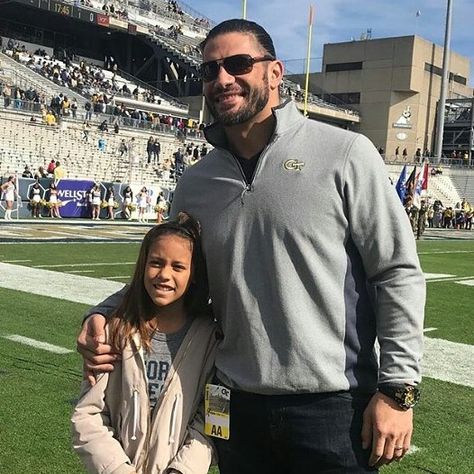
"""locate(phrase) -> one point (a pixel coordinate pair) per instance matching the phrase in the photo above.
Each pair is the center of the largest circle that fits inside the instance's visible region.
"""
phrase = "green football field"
(38, 387)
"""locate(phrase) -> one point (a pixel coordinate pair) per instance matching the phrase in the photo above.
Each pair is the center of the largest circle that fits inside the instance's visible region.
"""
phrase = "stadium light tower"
(444, 83)
(244, 9)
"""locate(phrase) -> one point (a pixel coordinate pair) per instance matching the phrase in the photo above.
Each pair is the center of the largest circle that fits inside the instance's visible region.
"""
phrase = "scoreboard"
(66, 9)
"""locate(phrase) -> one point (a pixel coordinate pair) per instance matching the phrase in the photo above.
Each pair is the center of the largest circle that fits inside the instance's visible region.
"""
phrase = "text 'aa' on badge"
(217, 407)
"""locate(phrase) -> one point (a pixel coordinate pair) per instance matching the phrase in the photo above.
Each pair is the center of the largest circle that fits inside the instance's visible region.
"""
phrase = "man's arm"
(98, 356)
(381, 231)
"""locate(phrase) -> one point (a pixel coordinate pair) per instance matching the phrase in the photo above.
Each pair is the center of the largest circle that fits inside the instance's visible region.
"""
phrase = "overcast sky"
(342, 20)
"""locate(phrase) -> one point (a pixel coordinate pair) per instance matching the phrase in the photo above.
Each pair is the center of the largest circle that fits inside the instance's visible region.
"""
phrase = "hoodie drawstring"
(174, 416)
(135, 415)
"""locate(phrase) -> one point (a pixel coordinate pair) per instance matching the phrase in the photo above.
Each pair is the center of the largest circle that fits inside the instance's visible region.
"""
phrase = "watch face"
(408, 396)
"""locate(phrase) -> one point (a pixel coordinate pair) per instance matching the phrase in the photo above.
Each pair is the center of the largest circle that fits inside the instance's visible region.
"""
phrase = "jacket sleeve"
(93, 434)
(197, 452)
(381, 231)
(107, 306)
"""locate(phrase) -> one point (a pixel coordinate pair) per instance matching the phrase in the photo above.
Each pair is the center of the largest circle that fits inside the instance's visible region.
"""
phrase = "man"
(27, 172)
(301, 286)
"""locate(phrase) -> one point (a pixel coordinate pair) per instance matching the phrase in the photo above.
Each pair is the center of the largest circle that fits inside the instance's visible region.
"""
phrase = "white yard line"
(445, 252)
(466, 282)
(448, 361)
(117, 277)
(38, 344)
(455, 279)
(92, 264)
(16, 261)
(431, 276)
(81, 271)
(76, 288)
(430, 329)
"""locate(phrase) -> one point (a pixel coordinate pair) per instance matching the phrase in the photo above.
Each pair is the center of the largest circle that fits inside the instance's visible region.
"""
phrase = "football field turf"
(38, 386)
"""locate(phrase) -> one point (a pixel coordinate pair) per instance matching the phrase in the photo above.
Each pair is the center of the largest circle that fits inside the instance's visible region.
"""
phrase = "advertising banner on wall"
(73, 194)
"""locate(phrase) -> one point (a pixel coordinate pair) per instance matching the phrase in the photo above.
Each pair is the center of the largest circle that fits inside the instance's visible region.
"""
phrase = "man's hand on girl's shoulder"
(91, 344)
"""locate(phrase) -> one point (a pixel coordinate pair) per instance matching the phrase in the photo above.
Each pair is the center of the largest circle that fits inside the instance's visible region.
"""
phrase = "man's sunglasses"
(234, 65)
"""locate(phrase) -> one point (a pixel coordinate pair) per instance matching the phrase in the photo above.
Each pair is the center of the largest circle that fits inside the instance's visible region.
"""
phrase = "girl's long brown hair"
(137, 309)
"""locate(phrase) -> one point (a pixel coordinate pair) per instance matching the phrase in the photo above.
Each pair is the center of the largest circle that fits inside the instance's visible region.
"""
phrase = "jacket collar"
(286, 114)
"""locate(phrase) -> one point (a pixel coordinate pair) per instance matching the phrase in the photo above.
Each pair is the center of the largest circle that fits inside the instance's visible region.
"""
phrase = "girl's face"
(168, 270)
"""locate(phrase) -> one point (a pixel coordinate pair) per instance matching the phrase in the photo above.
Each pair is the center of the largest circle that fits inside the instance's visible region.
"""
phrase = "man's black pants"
(294, 434)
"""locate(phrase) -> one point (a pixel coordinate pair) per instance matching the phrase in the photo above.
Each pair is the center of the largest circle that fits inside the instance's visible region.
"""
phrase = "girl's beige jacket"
(113, 432)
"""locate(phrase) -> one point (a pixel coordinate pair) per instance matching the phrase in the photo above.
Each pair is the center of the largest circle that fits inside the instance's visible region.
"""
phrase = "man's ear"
(275, 74)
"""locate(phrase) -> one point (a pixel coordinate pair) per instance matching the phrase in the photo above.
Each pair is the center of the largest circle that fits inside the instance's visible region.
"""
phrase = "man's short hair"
(242, 26)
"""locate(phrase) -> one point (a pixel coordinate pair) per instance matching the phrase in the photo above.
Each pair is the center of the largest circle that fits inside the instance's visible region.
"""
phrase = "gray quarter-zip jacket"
(308, 264)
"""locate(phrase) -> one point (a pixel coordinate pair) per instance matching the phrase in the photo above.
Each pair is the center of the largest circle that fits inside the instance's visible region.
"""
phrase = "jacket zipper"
(135, 414)
(249, 187)
(174, 416)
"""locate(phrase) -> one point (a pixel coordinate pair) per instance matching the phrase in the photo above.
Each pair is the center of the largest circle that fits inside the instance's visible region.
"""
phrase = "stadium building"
(395, 85)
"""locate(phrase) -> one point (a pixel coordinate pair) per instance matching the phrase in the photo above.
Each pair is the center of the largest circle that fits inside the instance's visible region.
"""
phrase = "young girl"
(146, 416)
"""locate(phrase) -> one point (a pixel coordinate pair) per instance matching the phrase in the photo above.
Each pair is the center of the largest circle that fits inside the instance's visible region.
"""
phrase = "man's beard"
(256, 100)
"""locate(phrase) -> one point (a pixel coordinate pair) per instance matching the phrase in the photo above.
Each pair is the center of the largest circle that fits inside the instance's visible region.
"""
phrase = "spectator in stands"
(103, 126)
(9, 192)
(127, 202)
(7, 95)
(35, 200)
(53, 201)
(156, 151)
(40, 173)
(110, 200)
(150, 149)
(196, 153)
(405, 154)
(27, 172)
(85, 131)
(96, 202)
(50, 118)
(143, 200)
(51, 166)
(56, 104)
(59, 171)
(116, 128)
(74, 108)
(66, 107)
(123, 148)
(131, 150)
(102, 144)
(178, 159)
(203, 150)
(88, 108)
(397, 153)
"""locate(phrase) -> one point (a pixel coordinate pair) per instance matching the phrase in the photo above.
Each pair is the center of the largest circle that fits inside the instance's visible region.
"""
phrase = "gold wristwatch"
(406, 396)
